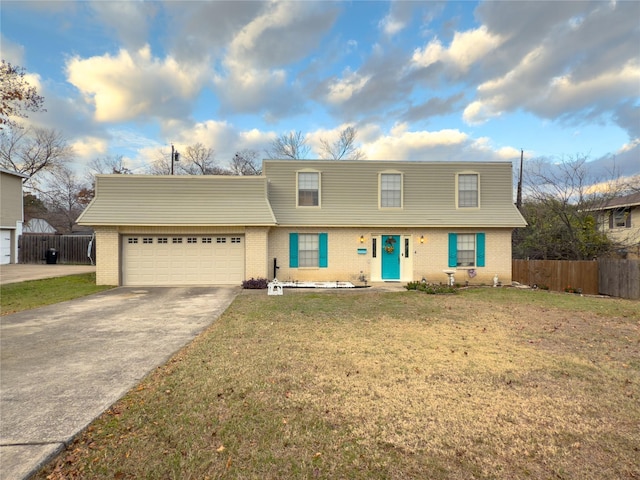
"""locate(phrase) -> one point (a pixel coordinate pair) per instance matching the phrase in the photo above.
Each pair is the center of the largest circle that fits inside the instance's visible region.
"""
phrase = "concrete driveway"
(63, 365)
(20, 272)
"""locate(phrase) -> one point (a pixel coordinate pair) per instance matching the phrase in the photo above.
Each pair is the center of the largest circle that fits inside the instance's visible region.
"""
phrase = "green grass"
(490, 383)
(16, 297)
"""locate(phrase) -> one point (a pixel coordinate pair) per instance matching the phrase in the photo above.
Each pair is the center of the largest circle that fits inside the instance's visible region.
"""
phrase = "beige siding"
(178, 200)
(350, 194)
(11, 200)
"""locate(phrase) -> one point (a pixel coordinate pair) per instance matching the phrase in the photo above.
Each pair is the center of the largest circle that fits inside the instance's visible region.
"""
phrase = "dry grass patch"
(493, 383)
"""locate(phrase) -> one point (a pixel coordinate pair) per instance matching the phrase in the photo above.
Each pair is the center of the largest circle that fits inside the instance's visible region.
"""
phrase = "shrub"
(255, 283)
(412, 285)
(430, 289)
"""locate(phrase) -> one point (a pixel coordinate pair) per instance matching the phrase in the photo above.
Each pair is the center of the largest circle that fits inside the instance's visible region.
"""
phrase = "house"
(620, 219)
(307, 220)
(38, 226)
(11, 214)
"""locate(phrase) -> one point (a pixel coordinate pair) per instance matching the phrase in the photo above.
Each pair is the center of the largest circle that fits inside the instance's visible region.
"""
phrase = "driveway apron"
(61, 366)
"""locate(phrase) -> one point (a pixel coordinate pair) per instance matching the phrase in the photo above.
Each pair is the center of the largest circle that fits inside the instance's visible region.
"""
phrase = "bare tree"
(561, 207)
(245, 162)
(344, 148)
(16, 95)
(113, 164)
(161, 165)
(33, 151)
(65, 198)
(193, 160)
(198, 160)
(289, 145)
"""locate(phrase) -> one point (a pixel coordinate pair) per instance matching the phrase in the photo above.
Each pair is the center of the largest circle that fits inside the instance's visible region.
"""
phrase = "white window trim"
(309, 170)
(390, 172)
(466, 172)
(475, 251)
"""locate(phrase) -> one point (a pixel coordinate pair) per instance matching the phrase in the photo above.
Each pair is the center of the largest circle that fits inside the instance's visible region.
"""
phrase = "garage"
(182, 259)
(5, 247)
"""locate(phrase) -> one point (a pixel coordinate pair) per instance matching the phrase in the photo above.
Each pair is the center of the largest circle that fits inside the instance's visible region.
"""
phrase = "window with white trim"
(620, 218)
(468, 190)
(466, 251)
(391, 190)
(176, 240)
(147, 240)
(308, 250)
(206, 239)
(221, 240)
(132, 240)
(308, 189)
(163, 240)
(235, 239)
(192, 239)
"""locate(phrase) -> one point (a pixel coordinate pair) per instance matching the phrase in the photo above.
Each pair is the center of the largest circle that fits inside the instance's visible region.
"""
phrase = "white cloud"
(579, 62)
(253, 77)
(221, 136)
(88, 148)
(390, 26)
(343, 89)
(11, 52)
(466, 49)
(135, 84)
(402, 144)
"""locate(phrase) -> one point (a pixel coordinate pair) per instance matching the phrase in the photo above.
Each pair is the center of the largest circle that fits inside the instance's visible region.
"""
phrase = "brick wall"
(107, 256)
(426, 260)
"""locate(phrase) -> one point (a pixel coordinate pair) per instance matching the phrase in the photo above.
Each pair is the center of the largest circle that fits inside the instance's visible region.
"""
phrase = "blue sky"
(419, 80)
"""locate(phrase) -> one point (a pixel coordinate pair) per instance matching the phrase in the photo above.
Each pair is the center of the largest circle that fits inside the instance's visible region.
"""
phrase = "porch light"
(361, 238)
(421, 238)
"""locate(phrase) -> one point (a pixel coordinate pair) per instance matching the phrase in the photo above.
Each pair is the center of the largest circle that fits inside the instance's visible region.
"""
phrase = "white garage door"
(5, 247)
(183, 260)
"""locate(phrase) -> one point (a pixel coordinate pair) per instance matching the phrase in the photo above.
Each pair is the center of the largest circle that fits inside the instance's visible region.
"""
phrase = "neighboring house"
(307, 220)
(11, 214)
(620, 219)
(38, 226)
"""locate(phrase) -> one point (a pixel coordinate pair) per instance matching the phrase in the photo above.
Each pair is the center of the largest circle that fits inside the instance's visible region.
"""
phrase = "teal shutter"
(453, 249)
(324, 250)
(293, 250)
(480, 250)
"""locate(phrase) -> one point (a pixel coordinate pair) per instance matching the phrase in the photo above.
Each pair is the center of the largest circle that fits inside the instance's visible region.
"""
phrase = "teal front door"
(391, 257)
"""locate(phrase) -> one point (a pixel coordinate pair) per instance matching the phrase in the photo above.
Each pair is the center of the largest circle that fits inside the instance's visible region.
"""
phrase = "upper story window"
(390, 190)
(308, 189)
(620, 218)
(468, 184)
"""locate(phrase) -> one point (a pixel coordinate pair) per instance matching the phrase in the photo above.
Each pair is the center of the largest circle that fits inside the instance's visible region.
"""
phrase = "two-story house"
(620, 220)
(11, 214)
(307, 220)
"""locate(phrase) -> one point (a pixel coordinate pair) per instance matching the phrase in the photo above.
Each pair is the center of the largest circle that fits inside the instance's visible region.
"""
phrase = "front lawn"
(15, 297)
(490, 383)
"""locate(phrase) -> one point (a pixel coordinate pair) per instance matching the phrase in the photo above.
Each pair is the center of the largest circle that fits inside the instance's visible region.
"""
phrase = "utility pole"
(174, 157)
(519, 194)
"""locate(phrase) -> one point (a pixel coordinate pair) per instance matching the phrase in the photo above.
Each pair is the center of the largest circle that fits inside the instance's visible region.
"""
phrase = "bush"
(255, 283)
(430, 289)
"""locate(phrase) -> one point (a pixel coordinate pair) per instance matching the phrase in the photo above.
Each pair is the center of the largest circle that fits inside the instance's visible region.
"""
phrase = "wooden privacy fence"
(618, 278)
(557, 274)
(70, 248)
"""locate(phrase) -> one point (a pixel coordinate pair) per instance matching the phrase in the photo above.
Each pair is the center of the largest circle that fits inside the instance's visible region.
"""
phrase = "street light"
(175, 157)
